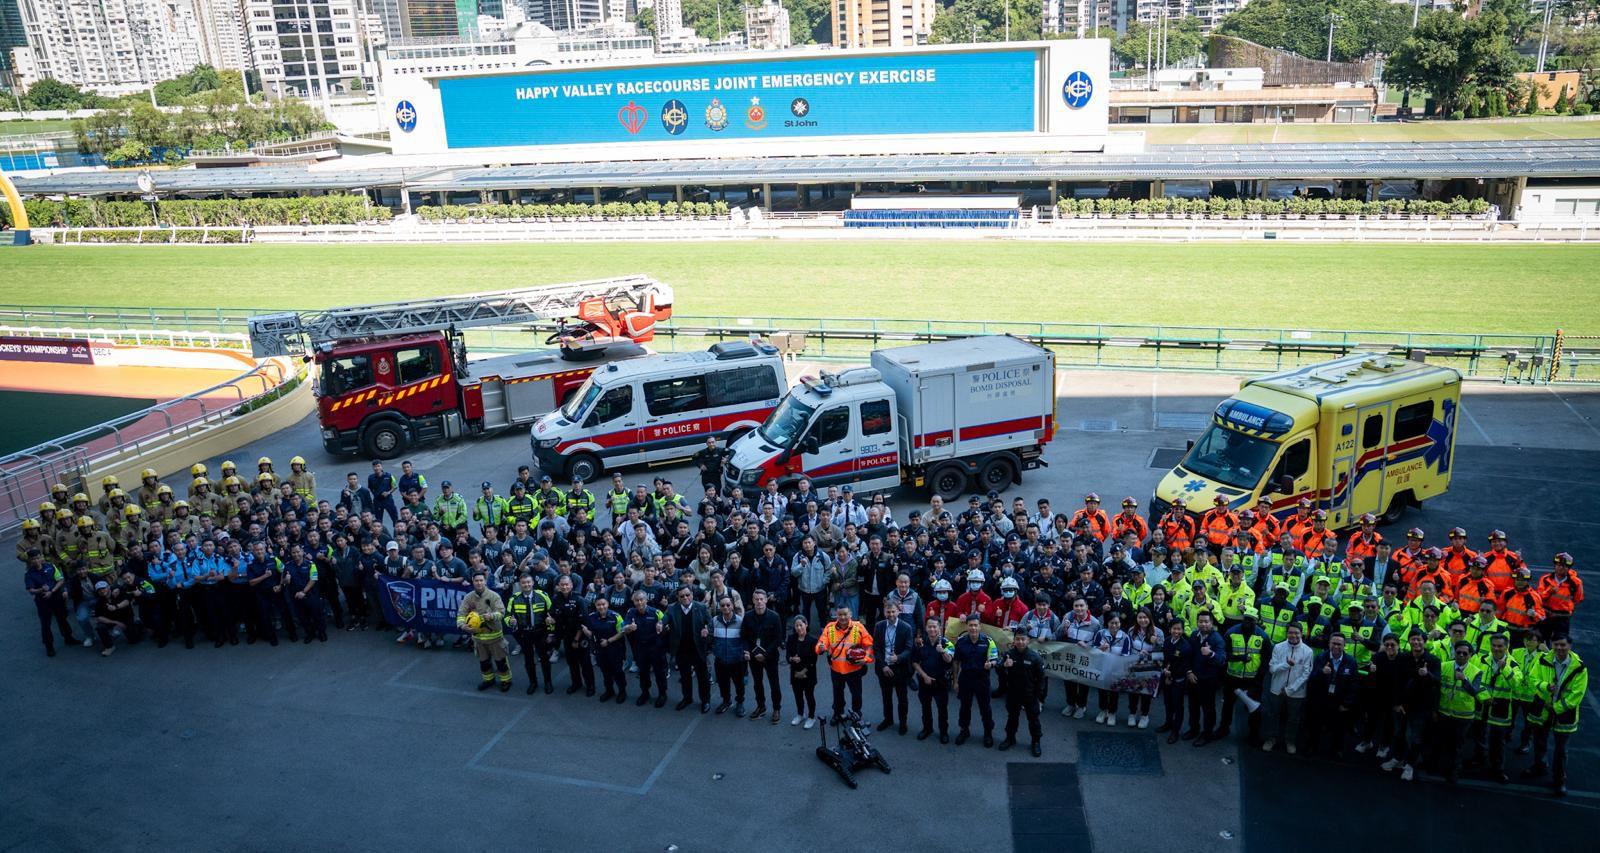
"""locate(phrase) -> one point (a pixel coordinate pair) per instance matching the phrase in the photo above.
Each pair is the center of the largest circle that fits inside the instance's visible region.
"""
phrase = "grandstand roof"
(1407, 160)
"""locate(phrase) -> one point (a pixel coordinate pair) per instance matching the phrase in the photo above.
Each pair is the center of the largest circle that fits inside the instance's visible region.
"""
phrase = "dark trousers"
(730, 680)
(219, 600)
(1109, 700)
(53, 608)
(1172, 700)
(805, 696)
(692, 672)
(166, 612)
(1452, 732)
(371, 586)
(242, 607)
(1251, 688)
(187, 618)
(970, 692)
(356, 598)
(535, 654)
(1203, 707)
(766, 671)
(313, 619)
(842, 682)
(328, 589)
(275, 604)
(871, 608)
(652, 664)
(931, 696)
(1139, 704)
(817, 601)
(1492, 740)
(206, 600)
(1018, 703)
(130, 632)
(613, 675)
(579, 665)
(1077, 694)
(895, 695)
(1558, 756)
(1327, 724)
(386, 507)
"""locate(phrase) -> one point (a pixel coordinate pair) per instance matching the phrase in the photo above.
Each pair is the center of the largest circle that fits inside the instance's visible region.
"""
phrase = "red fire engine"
(395, 375)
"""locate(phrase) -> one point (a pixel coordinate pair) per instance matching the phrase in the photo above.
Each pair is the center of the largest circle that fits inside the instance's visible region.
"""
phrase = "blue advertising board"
(961, 92)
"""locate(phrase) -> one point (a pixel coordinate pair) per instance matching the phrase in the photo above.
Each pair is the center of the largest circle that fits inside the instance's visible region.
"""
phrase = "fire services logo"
(756, 116)
(383, 366)
(716, 116)
(404, 598)
(632, 117)
(674, 116)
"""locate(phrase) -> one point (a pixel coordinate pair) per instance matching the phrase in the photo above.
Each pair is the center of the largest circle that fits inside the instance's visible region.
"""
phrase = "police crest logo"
(632, 117)
(674, 117)
(716, 115)
(403, 597)
(756, 116)
(405, 116)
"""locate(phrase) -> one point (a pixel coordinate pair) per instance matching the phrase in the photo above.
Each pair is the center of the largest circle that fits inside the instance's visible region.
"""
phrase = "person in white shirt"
(1289, 670)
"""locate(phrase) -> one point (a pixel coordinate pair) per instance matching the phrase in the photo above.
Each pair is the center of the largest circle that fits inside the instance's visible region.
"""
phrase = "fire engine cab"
(395, 375)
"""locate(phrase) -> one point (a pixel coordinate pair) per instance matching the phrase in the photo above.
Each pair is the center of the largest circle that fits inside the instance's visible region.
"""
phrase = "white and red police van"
(659, 408)
(949, 415)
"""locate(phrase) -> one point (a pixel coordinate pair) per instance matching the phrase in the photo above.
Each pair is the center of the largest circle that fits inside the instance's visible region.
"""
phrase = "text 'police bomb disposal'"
(835, 79)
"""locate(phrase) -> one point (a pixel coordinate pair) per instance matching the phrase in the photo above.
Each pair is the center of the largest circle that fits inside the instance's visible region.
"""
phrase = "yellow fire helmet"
(85, 521)
(227, 466)
(116, 493)
(298, 460)
(109, 480)
(200, 483)
(46, 507)
(58, 488)
(265, 477)
(181, 505)
(233, 481)
(132, 510)
(163, 489)
(197, 470)
(80, 497)
(265, 460)
(474, 621)
(63, 515)
(30, 524)
(148, 473)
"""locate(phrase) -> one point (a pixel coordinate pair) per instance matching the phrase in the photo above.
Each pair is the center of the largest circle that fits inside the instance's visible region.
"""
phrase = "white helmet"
(941, 586)
(975, 576)
(1008, 585)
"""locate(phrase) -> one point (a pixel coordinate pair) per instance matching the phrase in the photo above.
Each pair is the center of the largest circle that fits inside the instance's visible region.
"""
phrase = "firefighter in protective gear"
(1178, 527)
(1502, 564)
(1310, 542)
(64, 542)
(47, 518)
(1444, 582)
(1475, 589)
(1099, 525)
(95, 548)
(162, 512)
(302, 481)
(108, 484)
(1521, 607)
(1301, 522)
(80, 507)
(134, 529)
(1129, 521)
(481, 616)
(183, 521)
(202, 503)
(227, 469)
(264, 467)
(1458, 557)
(60, 495)
(1217, 524)
(1562, 592)
(1364, 544)
(1556, 681)
(197, 475)
(1409, 558)
(266, 485)
(30, 540)
(1267, 526)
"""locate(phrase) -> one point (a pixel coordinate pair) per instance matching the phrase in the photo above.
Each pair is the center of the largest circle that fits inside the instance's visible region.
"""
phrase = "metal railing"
(1237, 349)
(135, 337)
(26, 476)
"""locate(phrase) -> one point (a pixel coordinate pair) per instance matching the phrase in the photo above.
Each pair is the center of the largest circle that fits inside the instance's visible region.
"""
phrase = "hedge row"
(179, 235)
(92, 213)
(575, 210)
(1235, 208)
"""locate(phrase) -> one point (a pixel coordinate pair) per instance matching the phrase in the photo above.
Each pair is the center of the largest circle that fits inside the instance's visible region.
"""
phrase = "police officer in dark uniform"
(529, 618)
(931, 659)
(300, 585)
(568, 608)
(975, 654)
(48, 587)
(708, 461)
(1026, 689)
(602, 627)
(645, 626)
(266, 582)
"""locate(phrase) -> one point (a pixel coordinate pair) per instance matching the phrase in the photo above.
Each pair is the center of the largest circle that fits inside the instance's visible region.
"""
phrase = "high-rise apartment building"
(109, 46)
(882, 23)
(309, 48)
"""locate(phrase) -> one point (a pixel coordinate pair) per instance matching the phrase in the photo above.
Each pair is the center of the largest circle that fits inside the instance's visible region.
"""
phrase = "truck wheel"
(585, 467)
(948, 482)
(384, 440)
(998, 474)
(1397, 508)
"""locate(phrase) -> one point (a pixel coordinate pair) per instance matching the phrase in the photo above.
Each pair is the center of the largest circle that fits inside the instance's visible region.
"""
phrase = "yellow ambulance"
(1359, 434)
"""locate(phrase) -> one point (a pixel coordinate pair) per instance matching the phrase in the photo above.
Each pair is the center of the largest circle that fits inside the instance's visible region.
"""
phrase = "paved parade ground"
(360, 744)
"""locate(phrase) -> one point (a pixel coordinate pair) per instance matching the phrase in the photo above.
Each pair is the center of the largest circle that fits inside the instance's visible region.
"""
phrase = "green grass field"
(1458, 288)
(24, 127)
(53, 415)
(1422, 131)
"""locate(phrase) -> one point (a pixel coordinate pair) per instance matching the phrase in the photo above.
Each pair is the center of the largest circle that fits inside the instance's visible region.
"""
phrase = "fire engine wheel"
(585, 467)
(384, 440)
(997, 475)
(948, 482)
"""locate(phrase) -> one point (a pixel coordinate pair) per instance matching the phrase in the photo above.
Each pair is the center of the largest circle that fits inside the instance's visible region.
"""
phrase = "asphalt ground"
(360, 744)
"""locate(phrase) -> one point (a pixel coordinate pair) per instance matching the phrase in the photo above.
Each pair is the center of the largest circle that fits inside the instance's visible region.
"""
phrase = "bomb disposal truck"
(394, 375)
(1360, 434)
(953, 415)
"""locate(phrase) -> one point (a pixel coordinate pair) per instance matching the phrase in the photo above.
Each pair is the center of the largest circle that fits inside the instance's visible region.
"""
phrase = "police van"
(1360, 434)
(659, 408)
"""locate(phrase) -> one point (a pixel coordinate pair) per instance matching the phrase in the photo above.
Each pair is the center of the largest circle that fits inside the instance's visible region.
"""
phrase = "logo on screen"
(632, 117)
(800, 107)
(756, 116)
(1077, 90)
(674, 116)
(405, 116)
(716, 115)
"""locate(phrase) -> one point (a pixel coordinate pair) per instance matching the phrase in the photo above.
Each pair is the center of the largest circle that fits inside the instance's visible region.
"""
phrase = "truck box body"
(969, 396)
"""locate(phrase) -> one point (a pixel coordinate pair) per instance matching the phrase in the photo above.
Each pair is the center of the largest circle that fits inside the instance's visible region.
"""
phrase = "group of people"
(1409, 654)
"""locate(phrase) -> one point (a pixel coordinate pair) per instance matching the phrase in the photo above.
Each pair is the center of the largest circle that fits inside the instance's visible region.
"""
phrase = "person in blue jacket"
(1209, 663)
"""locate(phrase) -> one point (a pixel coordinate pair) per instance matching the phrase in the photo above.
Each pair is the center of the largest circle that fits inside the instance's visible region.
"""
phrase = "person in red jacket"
(1562, 592)
(1501, 565)
(1365, 542)
(1217, 525)
(942, 608)
(1409, 558)
(974, 600)
(1521, 607)
(1129, 521)
(1007, 610)
(1267, 524)
(1310, 542)
(1458, 557)
(1099, 524)
(1177, 527)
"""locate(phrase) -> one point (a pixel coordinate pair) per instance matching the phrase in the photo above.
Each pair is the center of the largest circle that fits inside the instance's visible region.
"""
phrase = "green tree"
(1364, 28)
(49, 94)
(702, 17)
(1184, 41)
(1451, 56)
(809, 21)
(1563, 106)
(985, 21)
(646, 21)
